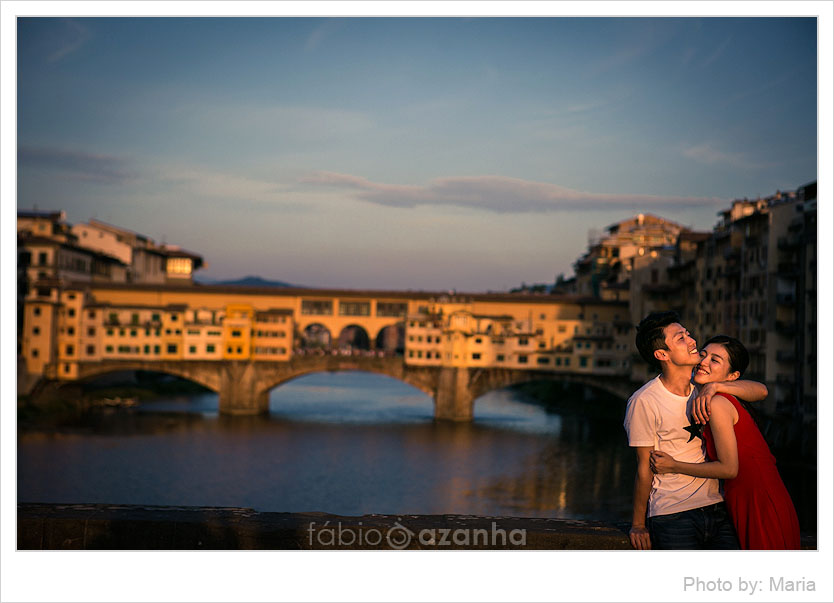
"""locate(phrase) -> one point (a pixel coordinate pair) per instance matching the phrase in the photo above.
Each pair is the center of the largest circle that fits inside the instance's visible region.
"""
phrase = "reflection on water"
(345, 443)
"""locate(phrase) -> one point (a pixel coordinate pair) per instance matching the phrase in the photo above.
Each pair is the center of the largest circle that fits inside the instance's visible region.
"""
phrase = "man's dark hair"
(737, 353)
(650, 335)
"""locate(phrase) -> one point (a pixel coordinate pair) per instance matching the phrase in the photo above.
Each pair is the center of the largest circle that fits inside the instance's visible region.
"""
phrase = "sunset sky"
(408, 153)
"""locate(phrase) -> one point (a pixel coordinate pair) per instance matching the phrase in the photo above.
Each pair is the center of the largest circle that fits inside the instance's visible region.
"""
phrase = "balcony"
(788, 243)
(786, 356)
(784, 379)
(732, 270)
(787, 270)
(785, 327)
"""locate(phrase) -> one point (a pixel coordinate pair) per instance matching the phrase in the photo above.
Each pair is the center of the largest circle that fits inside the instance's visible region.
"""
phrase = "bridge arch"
(314, 335)
(354, 336)
(391, 338)
(486, 381)
(274, 375)
(200, 372)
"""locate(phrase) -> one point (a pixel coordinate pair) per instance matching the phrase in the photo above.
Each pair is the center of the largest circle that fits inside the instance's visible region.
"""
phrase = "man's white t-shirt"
(656, 417)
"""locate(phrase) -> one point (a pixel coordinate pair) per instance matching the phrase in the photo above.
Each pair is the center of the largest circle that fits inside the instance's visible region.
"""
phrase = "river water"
(341, 443)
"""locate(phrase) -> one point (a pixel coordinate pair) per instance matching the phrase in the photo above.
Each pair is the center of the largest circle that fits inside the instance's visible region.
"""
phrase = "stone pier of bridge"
(244, 386)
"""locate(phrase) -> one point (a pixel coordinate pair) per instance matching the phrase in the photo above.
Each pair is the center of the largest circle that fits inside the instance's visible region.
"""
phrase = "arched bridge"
(243, 386)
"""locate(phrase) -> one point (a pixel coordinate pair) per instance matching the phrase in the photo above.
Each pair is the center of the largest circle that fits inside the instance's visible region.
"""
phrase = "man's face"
(681, 347)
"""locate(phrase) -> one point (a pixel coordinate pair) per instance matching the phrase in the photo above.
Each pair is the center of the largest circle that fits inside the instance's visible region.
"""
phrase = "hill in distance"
(248, 281)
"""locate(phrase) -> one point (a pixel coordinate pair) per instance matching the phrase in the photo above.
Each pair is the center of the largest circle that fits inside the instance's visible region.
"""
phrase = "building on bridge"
(570, 335)
(256, 336)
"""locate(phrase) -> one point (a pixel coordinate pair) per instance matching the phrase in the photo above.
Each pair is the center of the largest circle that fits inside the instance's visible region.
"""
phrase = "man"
(675, 511)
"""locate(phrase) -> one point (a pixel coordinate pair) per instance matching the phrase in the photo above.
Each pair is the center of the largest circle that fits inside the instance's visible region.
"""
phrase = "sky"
(471, 154)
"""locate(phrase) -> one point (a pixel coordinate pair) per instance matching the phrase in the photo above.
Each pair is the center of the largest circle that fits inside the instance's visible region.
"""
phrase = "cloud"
(499, 194)
(708, 154)
(74, 36)
(78, 165)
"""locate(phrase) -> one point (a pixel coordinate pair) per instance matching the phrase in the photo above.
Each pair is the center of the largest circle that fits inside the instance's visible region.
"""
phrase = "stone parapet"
(130, 527)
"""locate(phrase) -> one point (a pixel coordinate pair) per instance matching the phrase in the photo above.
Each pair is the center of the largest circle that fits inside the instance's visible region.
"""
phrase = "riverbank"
(135, 527)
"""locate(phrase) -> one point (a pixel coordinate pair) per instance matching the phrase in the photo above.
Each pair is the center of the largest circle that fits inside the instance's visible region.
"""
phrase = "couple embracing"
(690, 431)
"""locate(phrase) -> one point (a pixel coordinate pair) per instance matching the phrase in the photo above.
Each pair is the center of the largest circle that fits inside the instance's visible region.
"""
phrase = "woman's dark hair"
(650, 335)
(739, 361)
(737, 353)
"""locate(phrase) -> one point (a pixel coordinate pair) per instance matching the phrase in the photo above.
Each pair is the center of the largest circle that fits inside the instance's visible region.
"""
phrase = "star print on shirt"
(695, 429)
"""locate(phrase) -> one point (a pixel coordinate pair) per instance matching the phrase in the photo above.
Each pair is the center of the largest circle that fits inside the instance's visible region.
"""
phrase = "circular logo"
(398, 536)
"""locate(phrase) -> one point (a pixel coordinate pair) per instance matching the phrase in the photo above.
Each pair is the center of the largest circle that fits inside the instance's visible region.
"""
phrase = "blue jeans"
(707, 527)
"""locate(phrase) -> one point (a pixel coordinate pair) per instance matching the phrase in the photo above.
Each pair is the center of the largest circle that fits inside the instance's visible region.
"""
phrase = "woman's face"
(714, 365)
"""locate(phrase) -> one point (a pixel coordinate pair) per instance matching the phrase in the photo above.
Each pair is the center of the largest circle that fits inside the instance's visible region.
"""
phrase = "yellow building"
(516, 332)
(87, 322)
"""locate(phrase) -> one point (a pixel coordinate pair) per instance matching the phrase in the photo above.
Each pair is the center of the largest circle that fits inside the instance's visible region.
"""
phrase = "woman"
(757, 500)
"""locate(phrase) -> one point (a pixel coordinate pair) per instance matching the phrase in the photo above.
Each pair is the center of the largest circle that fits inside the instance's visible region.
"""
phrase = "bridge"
(243, 386)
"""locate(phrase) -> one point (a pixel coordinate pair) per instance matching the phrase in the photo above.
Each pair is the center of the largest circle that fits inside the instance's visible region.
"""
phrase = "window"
(134, 318)
(476, 356)
(477, 340)
(543, 360)
(522, 341)
(156, 349)
(36, 311)
(500, 358)
(522, 359)
(91, 314)
(147, 349)
(71, 312)
(91, 350)
(70, 350)
(312, 306)
(109, 331)
(354, 308)
(91, 331)
(70, 330)
(583, 361)
(155, 317)
(210, 348)
(192, 349)
(133, 332)
(558, 361)
(389, 309)
(239, 350)
(236, 333)
(34, 353)
(43, 258)
(36, 331)
(172, 348)
(174, 317)
(109, 349)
